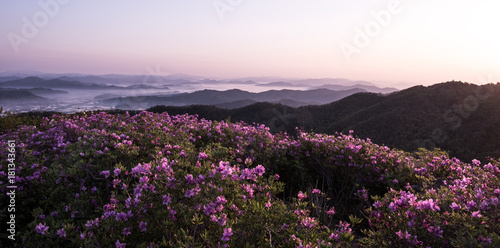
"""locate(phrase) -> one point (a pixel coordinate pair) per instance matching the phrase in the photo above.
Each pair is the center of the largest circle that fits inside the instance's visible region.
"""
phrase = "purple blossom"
(41, 228)
(268, 204)
(227, 233)
(260, 170)
(120, 245)
(127, 231)
(335, 236)
(144, 180)
(301, 196)
(220, 200)
(183, 154)
(142, 226)
(222, 220)
(455, 206)
(406, 236)
(393, 207)
(121, 216)
(105, 173)
(166, 200)
(202, 155)
(61, 233)
(331, 211)
(471, 204)
(309, 222)
(436, 231)
(192, 192)
(284, 226)
(494, 201)
(171, 214)
(209, 209)
(484, 205)
(428, 204)
(316, 191)
(486, 240)
(476, 214)
(189, 179)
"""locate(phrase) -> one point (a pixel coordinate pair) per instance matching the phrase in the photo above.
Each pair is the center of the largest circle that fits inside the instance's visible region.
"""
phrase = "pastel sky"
(419, 42)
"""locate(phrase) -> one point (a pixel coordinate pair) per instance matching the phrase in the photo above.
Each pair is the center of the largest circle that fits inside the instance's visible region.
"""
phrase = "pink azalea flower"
(41, 228)
(202, 155)
(61, 233)
(301, 196)
(120, 245)
(260, 170)
(455, 206)
(476, 214)
(331, 211)
(105, 173)
(117, 171)
(227, 233)
(142, 226)
(127, 231)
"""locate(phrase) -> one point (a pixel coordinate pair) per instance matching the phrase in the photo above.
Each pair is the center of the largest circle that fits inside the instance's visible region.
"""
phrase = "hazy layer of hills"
(64, 84)
(458, 117)
(234, 97)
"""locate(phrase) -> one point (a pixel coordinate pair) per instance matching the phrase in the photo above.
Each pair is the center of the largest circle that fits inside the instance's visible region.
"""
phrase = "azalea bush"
(155, 180)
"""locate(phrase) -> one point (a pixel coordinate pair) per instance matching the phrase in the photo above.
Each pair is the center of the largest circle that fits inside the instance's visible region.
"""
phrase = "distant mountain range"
(457, 117)
(33, 82)
(68, 83)
(227, 98)
(18, 95)
(368, 88)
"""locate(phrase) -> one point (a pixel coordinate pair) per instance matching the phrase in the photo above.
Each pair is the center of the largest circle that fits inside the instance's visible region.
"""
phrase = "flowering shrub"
(154, 180)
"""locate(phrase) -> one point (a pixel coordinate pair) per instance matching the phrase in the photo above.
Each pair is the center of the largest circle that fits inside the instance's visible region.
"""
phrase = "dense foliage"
(159, 180)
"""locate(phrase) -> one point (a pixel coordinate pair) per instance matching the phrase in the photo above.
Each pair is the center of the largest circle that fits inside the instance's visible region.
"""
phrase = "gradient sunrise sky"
(419, 42)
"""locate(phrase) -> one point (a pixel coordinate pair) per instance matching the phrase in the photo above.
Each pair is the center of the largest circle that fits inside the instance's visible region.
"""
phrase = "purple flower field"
(155, 180)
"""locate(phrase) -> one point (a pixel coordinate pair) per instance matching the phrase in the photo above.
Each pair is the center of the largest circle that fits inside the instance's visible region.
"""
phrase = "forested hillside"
(461, 118)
